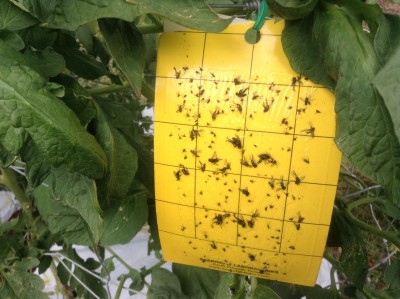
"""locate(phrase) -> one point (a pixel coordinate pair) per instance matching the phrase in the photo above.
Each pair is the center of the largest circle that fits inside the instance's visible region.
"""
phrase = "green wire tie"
(252, 35)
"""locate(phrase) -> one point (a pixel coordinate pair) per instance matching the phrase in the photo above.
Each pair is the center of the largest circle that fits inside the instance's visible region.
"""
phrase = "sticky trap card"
(245, 162)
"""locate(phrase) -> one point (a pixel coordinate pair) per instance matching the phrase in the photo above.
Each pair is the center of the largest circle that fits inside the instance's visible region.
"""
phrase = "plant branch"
(386, 235)
(146, 272)
(122, 280)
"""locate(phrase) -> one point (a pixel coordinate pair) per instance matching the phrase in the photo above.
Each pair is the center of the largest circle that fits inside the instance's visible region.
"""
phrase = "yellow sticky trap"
(245, 162)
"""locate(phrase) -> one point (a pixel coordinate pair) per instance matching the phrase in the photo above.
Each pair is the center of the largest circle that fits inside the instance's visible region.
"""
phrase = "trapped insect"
(236, 142)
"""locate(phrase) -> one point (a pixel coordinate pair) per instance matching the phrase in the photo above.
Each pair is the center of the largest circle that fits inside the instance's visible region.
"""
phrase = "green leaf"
(60, 218)
(302, 51)
(77, 99)
(122, 160)
(387, 39)
(262, 291)
(63, 14)
(36, 169)
(127, 47)
(137, 283)
(284, 290)
(364, 129)
(47, 62)
(78, 192)
(82, 64)
(124, 219)
(12, 39)
(231, 286)
(13, 18)
(392, 275)
(292, 9)
(387, 82)
(17, 281)
(164, 284)
(354, 255)
(108, 267)
(27, 107)
(197, 283)
(91, 282)
(5, 158)
(120, 117)
(38, 37)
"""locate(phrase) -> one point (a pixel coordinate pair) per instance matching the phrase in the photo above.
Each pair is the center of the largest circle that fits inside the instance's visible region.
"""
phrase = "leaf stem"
(119, 258)
(386, 235)
(146, 272)
(122, 280)
(253, 284)
(9, 179)
(108, 89)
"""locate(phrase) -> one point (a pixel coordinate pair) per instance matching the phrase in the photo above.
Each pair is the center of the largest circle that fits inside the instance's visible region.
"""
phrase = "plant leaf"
(18, 282)
(262, 291)
(5, 158)
(84, 65)
(61, 219)
(392, 275)
(387, 82)
(122, 160)
(292, 9)
(354, 255)
(387, 39)
(78, 192)
(123, 220)
(231, 286)
(26, 106)
(47, 62)
(164, 284)
(12, 39)
(197, 283)
(63, 14)
(364, 129)
(127, 47)
(317, 292)
(302, 51)
(36, 169)
(13, 18)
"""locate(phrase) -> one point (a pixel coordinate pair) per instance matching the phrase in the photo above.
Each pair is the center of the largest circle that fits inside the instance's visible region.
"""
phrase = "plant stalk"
(146, 272)
(386, 235)
(108, 89)
(119, 259)
(122, 280)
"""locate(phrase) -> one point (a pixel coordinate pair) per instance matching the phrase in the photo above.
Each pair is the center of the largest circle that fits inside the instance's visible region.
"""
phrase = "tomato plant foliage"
(75, 77)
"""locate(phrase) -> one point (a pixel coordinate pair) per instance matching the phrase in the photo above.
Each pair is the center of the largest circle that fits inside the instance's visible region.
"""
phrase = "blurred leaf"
(127, 47)
(387, 39)
(84, 65)
(38, 37)
(13, 18)
(36, 168)
(164, 284)
(262, 291)
(47, 62)
(137, 281)
(231, 286)
(284, 290)
(124, 219)
(197, 283)
(18, 282)
(63, 14)
(77, 99)
(387, 81)
(12, 39)
(122, 160)
(392, 276)
(5, 158)
(108, 267)
(354, 255)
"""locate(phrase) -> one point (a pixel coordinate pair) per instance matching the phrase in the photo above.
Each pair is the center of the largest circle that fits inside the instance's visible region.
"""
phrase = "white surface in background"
(8, 205)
